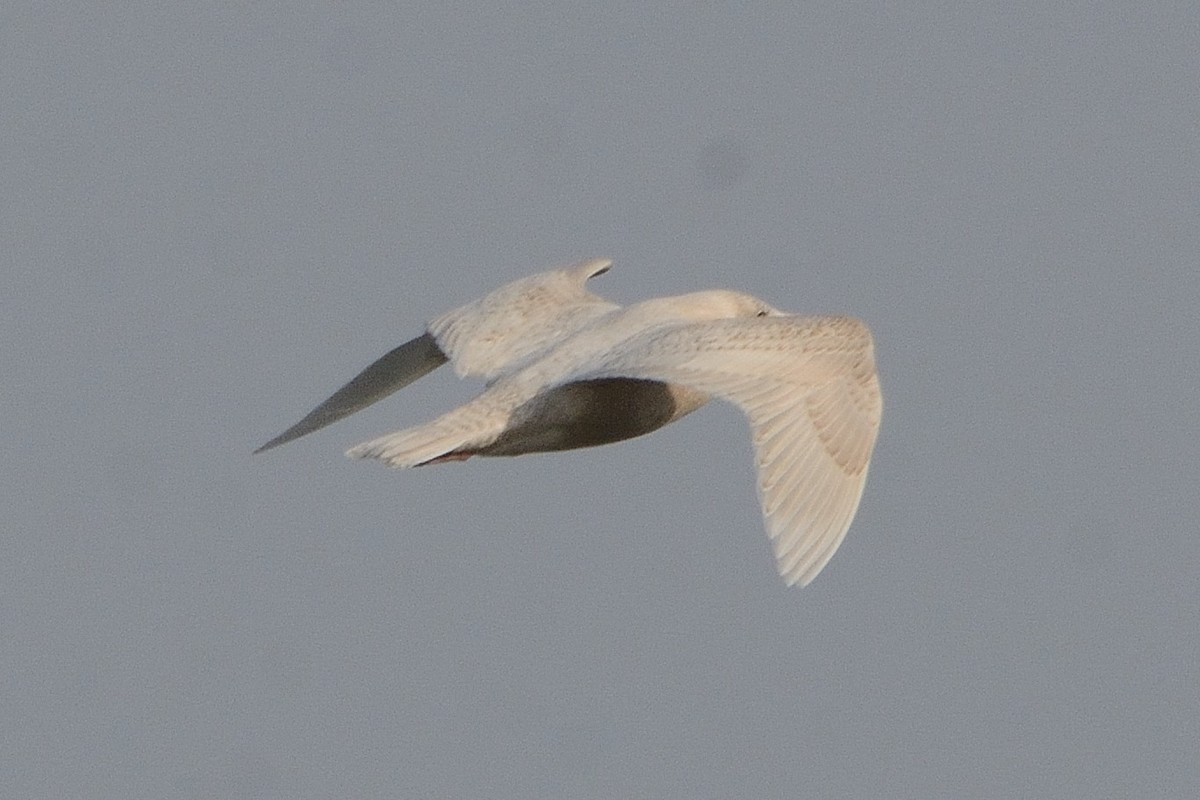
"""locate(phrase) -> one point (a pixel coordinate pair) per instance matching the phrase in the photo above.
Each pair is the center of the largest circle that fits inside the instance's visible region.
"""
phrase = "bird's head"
(714, 304)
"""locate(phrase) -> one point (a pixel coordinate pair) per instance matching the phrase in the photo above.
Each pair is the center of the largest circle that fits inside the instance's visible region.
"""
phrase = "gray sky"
(213, 216)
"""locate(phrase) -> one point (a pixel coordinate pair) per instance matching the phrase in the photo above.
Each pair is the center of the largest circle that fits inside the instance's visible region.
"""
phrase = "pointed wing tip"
(797, 577)
(389, 373)
(301, 428)
(793, 578)
(271, 445)
(806, 570)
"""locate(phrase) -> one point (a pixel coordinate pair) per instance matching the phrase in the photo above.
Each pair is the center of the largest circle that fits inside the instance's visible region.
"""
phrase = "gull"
(568, 369)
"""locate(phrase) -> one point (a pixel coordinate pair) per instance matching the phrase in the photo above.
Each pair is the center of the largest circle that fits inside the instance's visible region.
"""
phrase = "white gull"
(567, 369)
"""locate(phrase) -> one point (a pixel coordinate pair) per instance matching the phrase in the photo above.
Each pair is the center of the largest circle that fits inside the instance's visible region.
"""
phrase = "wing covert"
(495, 334)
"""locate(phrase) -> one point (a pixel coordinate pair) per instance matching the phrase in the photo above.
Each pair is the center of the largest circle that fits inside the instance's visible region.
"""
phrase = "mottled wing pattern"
(499, 332)
(809, 388)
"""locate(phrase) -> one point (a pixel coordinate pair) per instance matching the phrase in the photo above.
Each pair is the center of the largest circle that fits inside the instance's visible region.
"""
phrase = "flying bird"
(568, 369)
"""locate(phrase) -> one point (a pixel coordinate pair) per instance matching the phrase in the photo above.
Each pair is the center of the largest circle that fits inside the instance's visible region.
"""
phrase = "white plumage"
(568, 369)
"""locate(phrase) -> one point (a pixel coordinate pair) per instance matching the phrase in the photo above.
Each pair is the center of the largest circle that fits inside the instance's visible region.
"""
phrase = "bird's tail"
(453, 436)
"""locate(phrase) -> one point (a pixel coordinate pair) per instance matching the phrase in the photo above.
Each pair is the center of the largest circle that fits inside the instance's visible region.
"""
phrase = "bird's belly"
(591, 413)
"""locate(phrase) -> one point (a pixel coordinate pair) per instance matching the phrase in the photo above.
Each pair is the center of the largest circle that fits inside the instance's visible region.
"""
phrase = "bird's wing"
(486, 338)
(503, 330)
(809, 388)
(392, 372)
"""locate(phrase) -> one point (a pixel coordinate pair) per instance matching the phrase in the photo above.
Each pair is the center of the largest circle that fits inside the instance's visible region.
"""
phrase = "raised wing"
(486, 338)
(809, 388)
(505, 329)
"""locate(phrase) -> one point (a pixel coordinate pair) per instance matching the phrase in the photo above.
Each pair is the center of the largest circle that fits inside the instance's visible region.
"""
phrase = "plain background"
(214, 214)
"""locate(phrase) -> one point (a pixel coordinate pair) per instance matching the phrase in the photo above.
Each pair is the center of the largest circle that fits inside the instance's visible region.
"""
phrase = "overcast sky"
(214, 214)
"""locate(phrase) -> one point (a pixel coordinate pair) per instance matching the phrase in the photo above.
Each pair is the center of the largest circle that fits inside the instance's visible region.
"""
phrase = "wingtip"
(295, 432)
(271, 445)
(792, 578)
